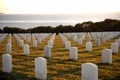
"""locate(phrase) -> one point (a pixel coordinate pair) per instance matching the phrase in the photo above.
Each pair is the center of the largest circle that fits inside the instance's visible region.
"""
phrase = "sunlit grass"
(59, 66)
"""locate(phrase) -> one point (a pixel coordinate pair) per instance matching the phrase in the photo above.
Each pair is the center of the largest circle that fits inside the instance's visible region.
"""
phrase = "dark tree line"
(106, 25)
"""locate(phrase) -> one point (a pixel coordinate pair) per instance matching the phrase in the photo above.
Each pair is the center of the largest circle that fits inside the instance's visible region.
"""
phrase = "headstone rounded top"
(115, 43)
(47, 46)
(107, 50)
(74, 47)
(90, 64)
(6, 54)
(41, 58)
(26, 45)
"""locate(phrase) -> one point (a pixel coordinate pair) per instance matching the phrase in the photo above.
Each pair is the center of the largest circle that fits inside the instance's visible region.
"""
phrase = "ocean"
(33, 20)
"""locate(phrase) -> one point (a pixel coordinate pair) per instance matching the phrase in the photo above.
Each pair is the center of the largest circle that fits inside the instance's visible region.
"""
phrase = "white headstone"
(103, 39)
(22, 43)
(89, 46)
(40, 68)
(35, 43)
(26, 49)
(88, 38)
(9, 41)
(97, 42)
(80, 41)
(9, 48)
(118, 41)
(114, 47)
(50, 43)
(47, 51)
(75, 38)
(67, 45)
(7, 63)
(73, 54)
(89, 71)
(39, 40)
(107, 56)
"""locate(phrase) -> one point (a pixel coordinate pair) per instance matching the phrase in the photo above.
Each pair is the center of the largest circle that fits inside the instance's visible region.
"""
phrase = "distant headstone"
(67, 45)
(40, 68)
(22, 43)
(75, 38)
(9, 41)
(47, 51)
(88, 38)
(89, 46)
(9, 48)
(80, 41)
(103, 39)
(89, 71)
(118, 41)
(26, 49)
(107, 56)
(97, 42)
(35, 43)
(50, 43)
(7, 63)
(39, 40)
(73, 54)
(114, 47)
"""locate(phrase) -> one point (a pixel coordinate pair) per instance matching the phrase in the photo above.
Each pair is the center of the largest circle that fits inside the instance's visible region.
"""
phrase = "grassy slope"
(59, 66)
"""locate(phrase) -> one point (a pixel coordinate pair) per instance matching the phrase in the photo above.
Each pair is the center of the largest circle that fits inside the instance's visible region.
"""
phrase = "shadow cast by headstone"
(14, 76)
(67, 61)
(60, 50)
(76, 71)
(116, 77)
(103, 64)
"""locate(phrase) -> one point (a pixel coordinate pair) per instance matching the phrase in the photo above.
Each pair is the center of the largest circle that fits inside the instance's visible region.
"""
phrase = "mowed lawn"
(59, 66)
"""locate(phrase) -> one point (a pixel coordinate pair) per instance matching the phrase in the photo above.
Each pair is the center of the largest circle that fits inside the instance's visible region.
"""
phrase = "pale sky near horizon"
(59, 6)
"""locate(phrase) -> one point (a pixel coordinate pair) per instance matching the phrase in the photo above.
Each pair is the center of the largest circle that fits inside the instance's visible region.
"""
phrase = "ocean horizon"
(33, 20)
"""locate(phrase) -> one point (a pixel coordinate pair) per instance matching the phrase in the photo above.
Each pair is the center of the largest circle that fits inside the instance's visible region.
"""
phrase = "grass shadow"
(14, 76)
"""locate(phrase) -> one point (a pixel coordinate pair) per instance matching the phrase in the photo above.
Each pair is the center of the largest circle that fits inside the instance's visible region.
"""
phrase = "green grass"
(59, 66)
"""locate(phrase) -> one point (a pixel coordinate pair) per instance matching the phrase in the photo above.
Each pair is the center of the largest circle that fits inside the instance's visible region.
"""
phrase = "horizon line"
(59, 13)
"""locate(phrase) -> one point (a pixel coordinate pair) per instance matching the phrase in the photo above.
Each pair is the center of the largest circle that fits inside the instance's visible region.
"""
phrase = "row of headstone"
(50, 42)
(97, 36)
(78, 37)
(104, 36)
(107, 53)
(40, 66)
(73, 51)
(2, 37)
(19, 40)
(63, 38)
(26, 49)
(37, 38)
(88, 43)
(9, 48)
(118, 41)
(47, 48)
(89, 70)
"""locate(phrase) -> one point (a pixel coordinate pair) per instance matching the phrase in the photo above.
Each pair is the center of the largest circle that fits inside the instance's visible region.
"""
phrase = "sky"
(59, 6)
